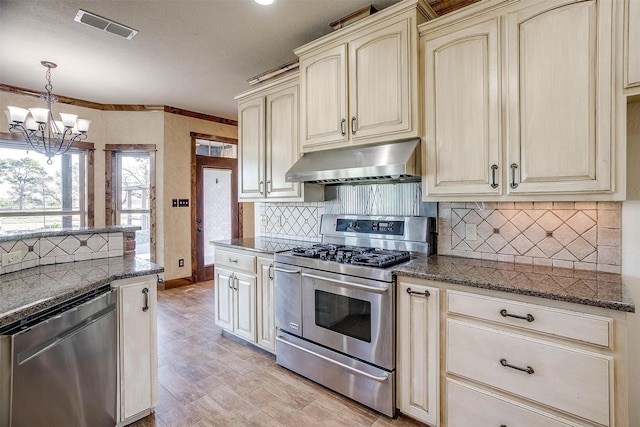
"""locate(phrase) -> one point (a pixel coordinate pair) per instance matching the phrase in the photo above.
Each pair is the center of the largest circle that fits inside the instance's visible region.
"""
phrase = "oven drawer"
(563, 323)
(470, 406)
(234, 260)
(369, 385)
(568, 379)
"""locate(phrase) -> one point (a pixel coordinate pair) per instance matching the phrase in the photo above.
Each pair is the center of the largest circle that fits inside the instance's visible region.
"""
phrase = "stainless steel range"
(336, 308)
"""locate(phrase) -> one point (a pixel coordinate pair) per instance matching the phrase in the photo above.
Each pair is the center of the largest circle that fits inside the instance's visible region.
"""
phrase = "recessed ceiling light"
(265, 2)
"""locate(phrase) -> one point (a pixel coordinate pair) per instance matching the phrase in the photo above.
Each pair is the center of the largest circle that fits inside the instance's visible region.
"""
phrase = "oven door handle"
(284, 270)
(335, 362)
(382, 290)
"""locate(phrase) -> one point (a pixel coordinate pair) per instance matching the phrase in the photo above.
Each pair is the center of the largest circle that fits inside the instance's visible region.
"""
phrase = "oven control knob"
(353, 224)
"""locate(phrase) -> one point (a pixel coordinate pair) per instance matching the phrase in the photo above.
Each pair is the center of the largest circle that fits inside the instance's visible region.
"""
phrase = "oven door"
(351, 315)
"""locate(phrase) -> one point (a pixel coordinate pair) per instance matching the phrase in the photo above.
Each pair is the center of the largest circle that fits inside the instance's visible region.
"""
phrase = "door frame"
(199, 274)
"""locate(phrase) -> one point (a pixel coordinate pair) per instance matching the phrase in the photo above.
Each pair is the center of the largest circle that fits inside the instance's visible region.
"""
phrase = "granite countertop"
(261, 244)
(604, 290)
(28, 291)
(46, 232)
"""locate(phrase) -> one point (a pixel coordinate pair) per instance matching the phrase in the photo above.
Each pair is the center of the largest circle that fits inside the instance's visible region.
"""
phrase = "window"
(130, 192)
(35, 195)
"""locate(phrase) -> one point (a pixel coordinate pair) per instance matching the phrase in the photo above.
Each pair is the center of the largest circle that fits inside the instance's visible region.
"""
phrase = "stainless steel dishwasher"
(63, 364)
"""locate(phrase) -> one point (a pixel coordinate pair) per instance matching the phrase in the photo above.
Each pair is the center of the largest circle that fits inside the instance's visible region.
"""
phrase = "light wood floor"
(210, 379)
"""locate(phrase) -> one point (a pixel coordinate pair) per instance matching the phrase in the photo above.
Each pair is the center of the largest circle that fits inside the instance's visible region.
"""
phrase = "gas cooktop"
(356, 255)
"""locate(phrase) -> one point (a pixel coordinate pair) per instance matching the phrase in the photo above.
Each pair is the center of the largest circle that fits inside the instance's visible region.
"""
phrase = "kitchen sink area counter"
(29, 291)
(604, 290)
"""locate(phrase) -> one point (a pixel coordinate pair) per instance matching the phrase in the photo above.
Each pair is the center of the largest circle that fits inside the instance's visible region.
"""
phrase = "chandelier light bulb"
(41, 131)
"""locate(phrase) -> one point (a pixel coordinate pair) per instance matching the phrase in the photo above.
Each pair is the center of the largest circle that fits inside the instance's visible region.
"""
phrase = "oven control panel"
(367, 226)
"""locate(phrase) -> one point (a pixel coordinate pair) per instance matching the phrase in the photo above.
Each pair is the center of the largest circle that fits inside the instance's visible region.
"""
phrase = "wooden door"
(281, 141)
(418, 351)
(251, 133)
(462, 97)
(379, 82)
(209, 199)
(559, 70)
(323, 98)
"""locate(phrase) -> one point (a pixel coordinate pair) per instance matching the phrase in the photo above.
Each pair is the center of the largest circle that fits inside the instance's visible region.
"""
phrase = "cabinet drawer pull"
(528, 317)
(424, 294)
(494, 168)
(145, 291)
(261, 188)
(269, 187)
(529, 370)
(271, 272)
(353, 125)
(233, 260)
(342, 129)
(513, 184)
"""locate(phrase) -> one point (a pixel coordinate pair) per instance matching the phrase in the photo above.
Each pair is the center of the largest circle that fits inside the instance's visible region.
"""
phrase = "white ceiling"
(190, 54)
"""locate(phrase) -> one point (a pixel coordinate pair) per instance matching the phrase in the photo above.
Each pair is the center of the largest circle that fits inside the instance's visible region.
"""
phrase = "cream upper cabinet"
(521, 102)
(268, 133)
(323, 97)
(462, 105)
(359, 84)
(419, 351)
(632, 44)
(559, 96)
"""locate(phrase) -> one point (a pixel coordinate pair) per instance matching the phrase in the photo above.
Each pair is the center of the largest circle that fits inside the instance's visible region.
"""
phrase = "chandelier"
(43, 133)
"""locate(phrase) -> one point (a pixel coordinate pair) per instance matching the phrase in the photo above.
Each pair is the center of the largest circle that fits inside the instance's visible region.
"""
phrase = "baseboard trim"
(176, 283)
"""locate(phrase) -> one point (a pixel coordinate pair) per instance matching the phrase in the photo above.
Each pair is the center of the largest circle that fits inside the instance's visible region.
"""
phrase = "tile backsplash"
(580, 235)
(66, 248)
(301, 221)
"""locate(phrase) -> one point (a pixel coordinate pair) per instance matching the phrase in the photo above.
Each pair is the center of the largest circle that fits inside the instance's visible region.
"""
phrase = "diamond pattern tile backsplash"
(59, 249)
(580, 235)
(298, 221)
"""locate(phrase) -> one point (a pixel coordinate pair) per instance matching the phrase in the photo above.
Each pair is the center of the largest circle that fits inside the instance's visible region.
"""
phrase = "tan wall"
(631, 270)
(177, 185)
(172, 135)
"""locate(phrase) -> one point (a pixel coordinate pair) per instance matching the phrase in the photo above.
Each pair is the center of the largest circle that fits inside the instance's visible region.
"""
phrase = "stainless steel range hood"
(395, 161)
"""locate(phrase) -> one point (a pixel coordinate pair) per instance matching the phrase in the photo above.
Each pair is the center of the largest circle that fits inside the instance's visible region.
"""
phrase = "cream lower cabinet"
(137, 348)
(265, 325)
(243, 295)
(481, 358)
(419, 352)
(521, 103)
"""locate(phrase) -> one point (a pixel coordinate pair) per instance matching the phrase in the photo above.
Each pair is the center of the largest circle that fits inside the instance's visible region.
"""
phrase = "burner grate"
(356, 255)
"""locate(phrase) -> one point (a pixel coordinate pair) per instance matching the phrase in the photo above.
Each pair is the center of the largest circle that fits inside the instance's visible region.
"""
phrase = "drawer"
(563, 323)
(234, 260)
(470, 406)
(564, 378)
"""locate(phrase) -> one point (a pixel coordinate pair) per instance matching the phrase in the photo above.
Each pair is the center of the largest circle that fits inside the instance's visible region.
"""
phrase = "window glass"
(216, 149)
(134, 203)
(35, 195)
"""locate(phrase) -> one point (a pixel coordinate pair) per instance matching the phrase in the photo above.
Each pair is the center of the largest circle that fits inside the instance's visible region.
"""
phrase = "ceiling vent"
(104, 24)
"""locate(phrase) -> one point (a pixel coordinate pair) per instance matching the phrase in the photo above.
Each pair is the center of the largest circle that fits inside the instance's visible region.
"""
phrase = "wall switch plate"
(471, 232)
(264, 220)
(11, 258)
(181, 262)
(174, 203)
(283, 221)
(183, 203)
